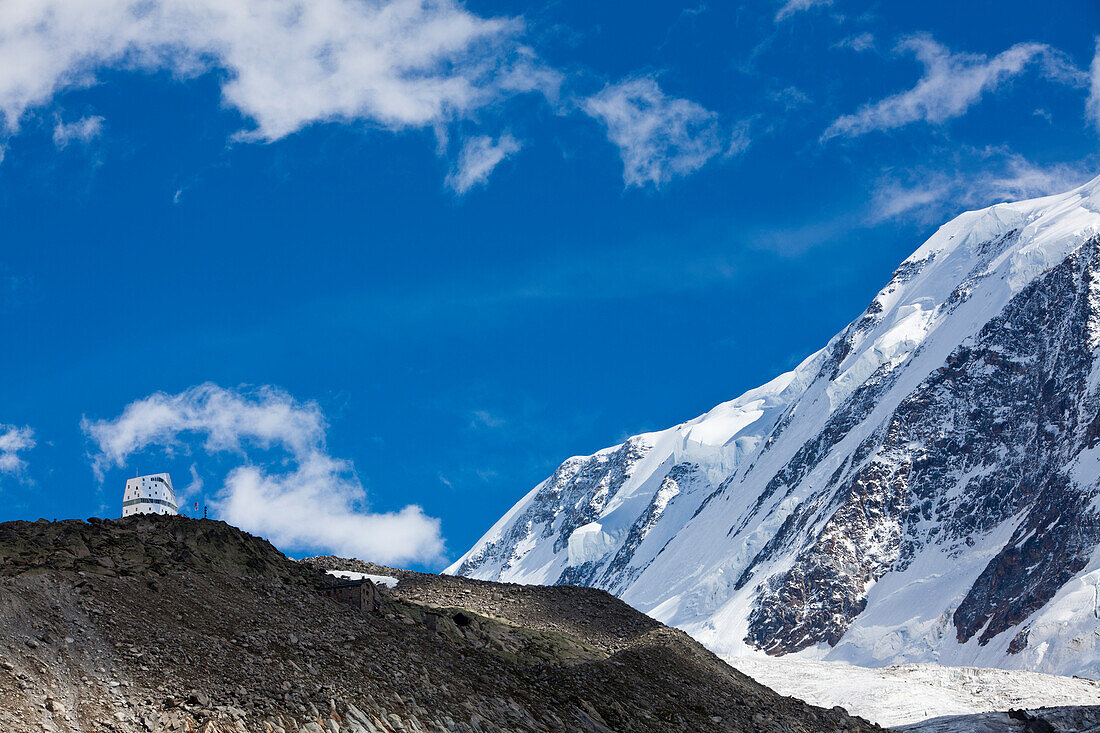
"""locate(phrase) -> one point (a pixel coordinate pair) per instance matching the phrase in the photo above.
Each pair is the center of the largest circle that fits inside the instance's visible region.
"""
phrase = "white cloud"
(740, 140)
(13, 441)
(659, 137)
(194, 488)
(485, 419)
(790, 98)
(792, 7)
(1092, 105)
(860, 42)
(316, 506)
(894, 199)
(479, 156)
(303, 498)
(1019, 178)
(975, 179)
(951, 84)
(284, 64)
(83, 130)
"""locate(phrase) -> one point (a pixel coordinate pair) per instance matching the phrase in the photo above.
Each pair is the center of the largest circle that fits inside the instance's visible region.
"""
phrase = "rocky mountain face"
(923, 489)
(170, 624)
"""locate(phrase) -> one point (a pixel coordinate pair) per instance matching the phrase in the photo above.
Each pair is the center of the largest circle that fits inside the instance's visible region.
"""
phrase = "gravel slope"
(174, 624)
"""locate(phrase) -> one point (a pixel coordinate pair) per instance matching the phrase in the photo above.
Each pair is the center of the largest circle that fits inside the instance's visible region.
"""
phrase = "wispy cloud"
(860, 42)
(14, 287)
(300, 498)
(951, 84)
(659, 137)
(479, 156)
(485, 419)
(284, 64)
(83, 131)
(1092, 104)
(894, 199)
(973, 179)
(793, 7)
(194, 488)
(790, 98)
(14, 441)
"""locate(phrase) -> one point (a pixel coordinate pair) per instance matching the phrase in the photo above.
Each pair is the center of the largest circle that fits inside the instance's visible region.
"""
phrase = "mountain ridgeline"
(168, 624)
(924, 488)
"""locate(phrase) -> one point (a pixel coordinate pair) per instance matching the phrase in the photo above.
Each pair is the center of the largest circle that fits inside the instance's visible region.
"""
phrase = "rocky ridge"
(172, 624)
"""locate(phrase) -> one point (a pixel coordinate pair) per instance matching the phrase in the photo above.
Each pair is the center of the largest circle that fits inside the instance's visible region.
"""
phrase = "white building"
(149, 495)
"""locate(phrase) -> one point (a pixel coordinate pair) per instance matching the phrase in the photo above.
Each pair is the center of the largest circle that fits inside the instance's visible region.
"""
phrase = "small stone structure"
(361, 594)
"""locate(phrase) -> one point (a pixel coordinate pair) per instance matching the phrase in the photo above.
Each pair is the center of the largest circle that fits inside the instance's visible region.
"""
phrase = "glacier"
(925, 488)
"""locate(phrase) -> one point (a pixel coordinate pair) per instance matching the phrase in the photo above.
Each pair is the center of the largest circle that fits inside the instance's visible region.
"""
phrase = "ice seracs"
(152, 494)
(925, 488)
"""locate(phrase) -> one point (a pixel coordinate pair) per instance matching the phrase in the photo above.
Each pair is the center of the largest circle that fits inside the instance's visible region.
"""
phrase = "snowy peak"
(924, 488)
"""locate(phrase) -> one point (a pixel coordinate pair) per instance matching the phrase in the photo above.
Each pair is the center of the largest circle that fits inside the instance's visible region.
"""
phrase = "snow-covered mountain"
(923, 489)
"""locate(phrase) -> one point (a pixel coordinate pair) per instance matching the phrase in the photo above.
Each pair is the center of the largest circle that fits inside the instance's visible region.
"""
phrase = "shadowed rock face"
(924, 488)
(573, 496)
(1010, 408)
(1042, 720)
(158, 623)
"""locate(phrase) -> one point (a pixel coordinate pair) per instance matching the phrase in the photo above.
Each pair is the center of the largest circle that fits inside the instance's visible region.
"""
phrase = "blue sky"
(360, 274)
